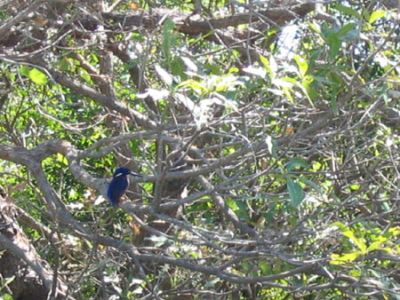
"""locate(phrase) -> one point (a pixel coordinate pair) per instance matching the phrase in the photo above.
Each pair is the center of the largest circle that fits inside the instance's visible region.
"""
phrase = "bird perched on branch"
(119, 184)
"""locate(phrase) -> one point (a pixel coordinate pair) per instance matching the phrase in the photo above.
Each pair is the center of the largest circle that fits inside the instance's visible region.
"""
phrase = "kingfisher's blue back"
(118, 185)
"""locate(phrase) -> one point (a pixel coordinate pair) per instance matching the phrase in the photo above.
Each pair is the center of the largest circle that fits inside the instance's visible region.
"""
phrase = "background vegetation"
(267, 133)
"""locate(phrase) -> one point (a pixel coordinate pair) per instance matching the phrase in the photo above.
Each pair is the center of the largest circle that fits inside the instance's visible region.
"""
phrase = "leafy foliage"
(269, 147)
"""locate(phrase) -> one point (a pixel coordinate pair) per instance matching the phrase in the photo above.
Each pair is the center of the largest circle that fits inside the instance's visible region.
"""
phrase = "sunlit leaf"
(284, 82)
(254, 70)
(158, 240)
(301, 64)
(304, 85)
(233, 70)
(190, 65)
(316, 166)
(395, 231)
(222, 83)
(186, 101)
(315, 27)
(340, 259)
(269, 65)
(85, 75)
(155, 94)
(61, 158)
(37, 77)
(376, 15)
(377, 244)
(196, 86)
(6, 296)
(359, 242)
(164, 75)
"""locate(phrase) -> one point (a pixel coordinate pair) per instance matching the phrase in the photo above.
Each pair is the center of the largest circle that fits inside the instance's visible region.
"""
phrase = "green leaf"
(303, 86)
(341, 259)
(37, 77)
(347, 10)
(296, 163)
(239, 207)
(359, 242)
(265, 267)
(73, 194)
(307, 83)
(269, 66)
(232, 204)
(296, 193)
(301, 64)
(339, 225)
(377, 244)
(316, 166)
(169, 39)
(315, 27)
(233, 70)
(6, 297)
(62, 159)
(344, 31)
(243, 211)
(177, 67)
(394, 231)
(334, 44)
(246, 266)
(24, 70)
(85, 75)
(194, 85)
(376, 15)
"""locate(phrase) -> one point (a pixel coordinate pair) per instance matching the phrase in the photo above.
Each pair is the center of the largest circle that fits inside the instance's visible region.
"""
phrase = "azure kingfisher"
(119, 185)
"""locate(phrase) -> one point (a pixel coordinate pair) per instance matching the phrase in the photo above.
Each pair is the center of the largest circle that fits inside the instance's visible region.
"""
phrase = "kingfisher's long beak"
(135, 174)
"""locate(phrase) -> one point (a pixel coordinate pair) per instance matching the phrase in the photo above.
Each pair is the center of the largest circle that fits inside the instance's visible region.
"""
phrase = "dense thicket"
(267, 134)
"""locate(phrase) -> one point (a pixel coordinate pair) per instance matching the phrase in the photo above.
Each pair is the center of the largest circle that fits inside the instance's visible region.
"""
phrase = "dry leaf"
(134, 6)
(289, 130)
(40, 21)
